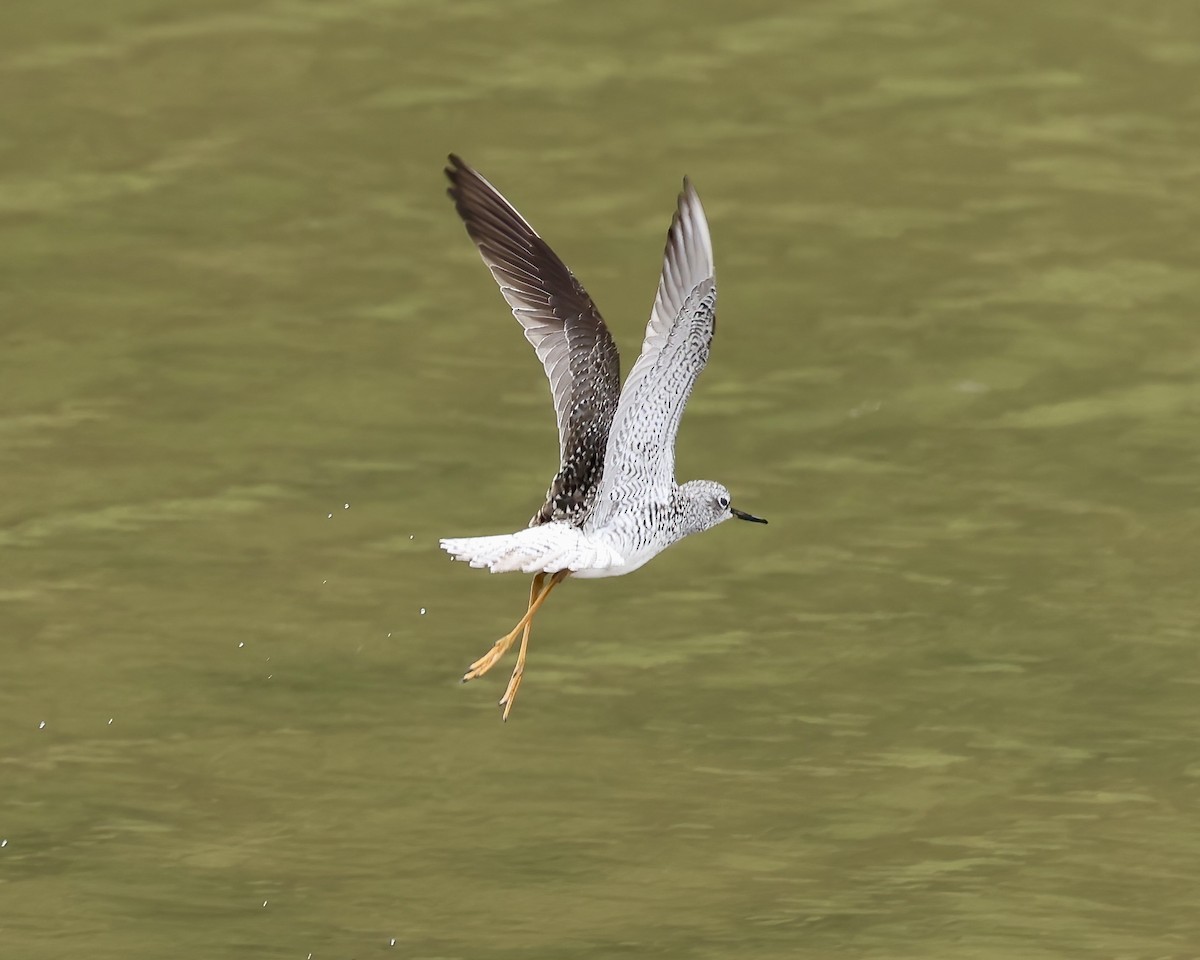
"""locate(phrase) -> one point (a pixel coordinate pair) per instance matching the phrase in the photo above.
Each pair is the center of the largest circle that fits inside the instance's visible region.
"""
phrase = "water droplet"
(422, 611)
(42, 725)
(345, 506)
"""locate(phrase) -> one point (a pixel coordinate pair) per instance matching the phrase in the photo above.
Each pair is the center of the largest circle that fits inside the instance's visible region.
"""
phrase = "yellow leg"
(510, 692)
(514, 683)
(537, 594)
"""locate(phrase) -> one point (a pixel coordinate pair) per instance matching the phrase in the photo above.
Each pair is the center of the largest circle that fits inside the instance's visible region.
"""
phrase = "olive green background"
(945, 705)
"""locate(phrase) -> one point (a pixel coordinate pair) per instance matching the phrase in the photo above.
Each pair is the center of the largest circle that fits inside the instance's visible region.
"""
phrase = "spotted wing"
(640, 460)
(565, 328)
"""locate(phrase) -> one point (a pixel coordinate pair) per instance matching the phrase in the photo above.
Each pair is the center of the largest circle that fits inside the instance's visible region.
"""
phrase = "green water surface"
(947, 705)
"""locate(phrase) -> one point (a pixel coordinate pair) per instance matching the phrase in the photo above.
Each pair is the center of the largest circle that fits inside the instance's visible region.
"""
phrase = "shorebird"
(614, 503)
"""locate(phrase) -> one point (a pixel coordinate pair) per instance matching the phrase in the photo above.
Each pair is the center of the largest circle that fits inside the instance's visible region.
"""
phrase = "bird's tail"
(547, 548)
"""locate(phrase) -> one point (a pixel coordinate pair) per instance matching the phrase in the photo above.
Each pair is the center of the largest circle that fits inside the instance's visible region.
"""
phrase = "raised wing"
(641, 445)
(565, 328)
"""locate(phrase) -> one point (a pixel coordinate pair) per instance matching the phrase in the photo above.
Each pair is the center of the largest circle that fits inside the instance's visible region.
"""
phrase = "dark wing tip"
(454, 170)
(471, 195)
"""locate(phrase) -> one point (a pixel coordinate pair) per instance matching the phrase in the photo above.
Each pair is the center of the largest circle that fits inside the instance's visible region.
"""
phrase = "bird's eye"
(723, 503)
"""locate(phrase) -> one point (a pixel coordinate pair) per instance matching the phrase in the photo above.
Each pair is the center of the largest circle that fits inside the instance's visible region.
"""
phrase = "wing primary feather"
(640, 455)
(565, 329)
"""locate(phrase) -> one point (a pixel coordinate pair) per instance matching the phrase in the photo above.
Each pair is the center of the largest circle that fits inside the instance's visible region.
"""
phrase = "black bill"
(742, 515)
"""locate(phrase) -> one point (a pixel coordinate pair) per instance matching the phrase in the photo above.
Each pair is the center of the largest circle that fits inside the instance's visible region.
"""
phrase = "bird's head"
(708, 503)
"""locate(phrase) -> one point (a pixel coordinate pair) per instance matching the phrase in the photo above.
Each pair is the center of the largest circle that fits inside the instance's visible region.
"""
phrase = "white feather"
(639, 461)
(547, 548)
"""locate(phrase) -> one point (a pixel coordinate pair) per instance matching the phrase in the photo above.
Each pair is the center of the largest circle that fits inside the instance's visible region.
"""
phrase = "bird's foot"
(492, 657)
(514, 684)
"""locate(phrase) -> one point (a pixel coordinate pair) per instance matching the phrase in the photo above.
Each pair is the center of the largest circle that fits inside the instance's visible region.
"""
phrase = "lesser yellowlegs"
(614, 503)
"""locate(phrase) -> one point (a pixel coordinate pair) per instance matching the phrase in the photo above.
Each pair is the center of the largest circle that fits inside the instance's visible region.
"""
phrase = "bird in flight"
(614, 503)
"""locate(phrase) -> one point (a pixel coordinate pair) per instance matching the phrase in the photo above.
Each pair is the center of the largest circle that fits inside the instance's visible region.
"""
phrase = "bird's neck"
(687, 514)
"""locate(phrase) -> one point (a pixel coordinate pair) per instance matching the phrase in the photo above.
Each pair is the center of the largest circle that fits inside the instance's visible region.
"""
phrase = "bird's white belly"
(631, 563)
(622, 537)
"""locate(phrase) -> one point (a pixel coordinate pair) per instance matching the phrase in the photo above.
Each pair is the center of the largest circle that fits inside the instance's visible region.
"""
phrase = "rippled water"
(945, 705)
